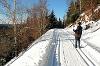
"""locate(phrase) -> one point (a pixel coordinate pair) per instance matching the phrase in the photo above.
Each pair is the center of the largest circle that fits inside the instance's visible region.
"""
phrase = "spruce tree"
(60, 23)
(73, 13)
(52, 20)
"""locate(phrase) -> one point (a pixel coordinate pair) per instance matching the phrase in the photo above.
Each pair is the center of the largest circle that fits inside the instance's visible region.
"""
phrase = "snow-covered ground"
(56, 48)
(90, 40)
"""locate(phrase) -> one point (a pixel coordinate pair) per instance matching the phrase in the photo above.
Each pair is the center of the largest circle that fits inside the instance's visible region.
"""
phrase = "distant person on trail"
(78, 33)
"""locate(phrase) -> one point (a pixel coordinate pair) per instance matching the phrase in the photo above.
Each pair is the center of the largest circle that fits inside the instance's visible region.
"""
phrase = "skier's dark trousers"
(78, 33)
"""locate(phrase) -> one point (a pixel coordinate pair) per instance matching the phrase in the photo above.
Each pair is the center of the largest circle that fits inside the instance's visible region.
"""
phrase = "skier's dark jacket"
(78, 32)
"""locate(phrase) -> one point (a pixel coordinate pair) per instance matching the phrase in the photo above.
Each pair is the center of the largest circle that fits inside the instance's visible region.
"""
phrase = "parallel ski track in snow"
(54, 39)
(56, 54)
(86, 59)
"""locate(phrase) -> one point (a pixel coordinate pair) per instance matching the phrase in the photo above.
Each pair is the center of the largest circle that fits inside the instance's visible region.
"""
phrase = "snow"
(69, 56)
(56, 48)
(97, 9)
(90, 41)
(93, 34)
(32, 56)
(82, 14)
(95, 39)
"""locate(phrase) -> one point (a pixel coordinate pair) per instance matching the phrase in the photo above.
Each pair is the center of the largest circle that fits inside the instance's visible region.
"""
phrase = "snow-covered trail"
(55, 48)
(68, 54)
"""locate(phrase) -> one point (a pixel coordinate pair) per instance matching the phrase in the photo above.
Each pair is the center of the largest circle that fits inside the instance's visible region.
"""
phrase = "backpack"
(78, 31)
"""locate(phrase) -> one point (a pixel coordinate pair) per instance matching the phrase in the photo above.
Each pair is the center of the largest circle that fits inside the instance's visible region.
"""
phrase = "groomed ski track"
(57, 49)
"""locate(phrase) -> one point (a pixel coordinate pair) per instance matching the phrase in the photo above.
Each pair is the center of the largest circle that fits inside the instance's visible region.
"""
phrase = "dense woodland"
(25, 25)
(80, 6)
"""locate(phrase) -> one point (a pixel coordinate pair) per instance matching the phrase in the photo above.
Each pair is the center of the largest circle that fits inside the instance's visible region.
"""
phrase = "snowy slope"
(90, 40)
(35, 53)
(56, 48)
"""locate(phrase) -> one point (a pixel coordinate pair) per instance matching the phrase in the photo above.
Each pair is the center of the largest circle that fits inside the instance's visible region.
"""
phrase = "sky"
(59, 6)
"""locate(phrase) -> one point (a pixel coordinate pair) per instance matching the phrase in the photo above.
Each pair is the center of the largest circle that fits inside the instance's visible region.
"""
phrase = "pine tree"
(60, 24)
(52, 20)
(73, 13)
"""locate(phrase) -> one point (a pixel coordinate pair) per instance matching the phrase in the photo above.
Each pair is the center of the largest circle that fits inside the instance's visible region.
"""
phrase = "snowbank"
(90, 40)
(37, 54)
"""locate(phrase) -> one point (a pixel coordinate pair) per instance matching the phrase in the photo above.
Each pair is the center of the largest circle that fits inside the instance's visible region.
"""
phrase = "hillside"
(56, 48)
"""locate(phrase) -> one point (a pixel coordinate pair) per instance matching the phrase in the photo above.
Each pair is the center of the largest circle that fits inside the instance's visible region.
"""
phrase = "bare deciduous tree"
(38, 16)
(13, 12)
(43, 14)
